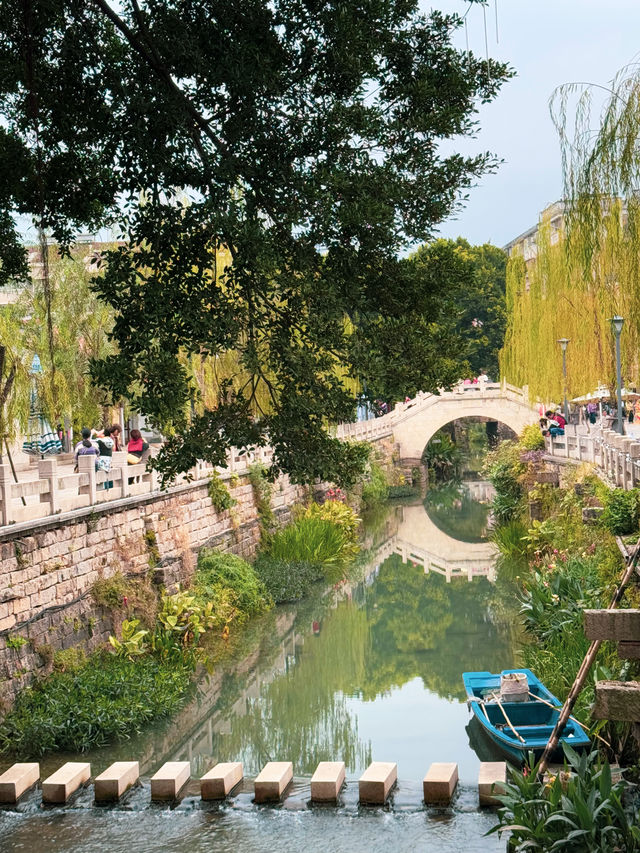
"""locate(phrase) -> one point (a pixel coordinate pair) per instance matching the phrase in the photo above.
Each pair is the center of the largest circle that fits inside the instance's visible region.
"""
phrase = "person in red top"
(137, 448)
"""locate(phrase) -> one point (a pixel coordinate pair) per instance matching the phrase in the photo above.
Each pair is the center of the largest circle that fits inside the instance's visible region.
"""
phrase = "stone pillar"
(87, 465)
(47, 470)
(627, 463)
(119, 460)
(634, 452)
(5, 494)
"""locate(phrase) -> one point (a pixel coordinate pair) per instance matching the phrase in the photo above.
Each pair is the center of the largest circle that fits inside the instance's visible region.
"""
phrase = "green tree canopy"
(473, 288)
(303, 136)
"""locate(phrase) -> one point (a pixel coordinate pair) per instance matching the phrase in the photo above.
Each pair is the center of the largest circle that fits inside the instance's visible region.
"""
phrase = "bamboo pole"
(575, 719)
(587, 663)
(504, 714)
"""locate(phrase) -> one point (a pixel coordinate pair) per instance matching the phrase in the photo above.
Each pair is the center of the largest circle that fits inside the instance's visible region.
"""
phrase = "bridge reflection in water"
(419, 540)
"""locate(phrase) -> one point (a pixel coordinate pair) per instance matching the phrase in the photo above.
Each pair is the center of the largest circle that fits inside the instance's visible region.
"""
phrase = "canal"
(370, 670)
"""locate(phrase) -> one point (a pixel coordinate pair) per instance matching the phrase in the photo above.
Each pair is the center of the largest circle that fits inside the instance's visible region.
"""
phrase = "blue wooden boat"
(533, 720)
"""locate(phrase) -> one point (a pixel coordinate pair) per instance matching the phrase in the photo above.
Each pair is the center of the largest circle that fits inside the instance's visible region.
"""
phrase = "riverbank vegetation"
(558, 564)
(87, 702)
(318, 545)
(146, 672)
(559, 555)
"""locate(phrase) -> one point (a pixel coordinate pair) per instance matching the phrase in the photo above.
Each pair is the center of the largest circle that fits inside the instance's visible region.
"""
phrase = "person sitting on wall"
(137, 448)
(556, 423)
(86, 447)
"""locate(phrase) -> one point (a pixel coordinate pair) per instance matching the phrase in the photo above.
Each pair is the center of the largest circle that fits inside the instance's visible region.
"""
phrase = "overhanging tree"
(302, 137)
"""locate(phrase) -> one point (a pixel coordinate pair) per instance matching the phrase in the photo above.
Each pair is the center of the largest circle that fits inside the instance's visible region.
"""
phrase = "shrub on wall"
(286, 580)
(231, 584)
(219, 494)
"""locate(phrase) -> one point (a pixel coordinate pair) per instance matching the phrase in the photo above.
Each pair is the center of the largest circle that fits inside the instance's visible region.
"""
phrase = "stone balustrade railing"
(57, 489)
(377, 428)
(618, 456)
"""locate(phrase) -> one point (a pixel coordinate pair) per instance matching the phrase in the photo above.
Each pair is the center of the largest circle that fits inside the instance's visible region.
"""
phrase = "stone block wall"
(47, 568)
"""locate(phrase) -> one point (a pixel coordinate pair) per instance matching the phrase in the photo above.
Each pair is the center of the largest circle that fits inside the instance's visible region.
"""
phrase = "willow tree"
(302, 136)
(590, 270)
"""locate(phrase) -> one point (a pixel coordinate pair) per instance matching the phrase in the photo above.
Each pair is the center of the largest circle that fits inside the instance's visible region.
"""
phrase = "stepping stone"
(116, 780)
(440, 782)
(491, 779)
(170, 779)
(377, 781)
(327, 781)
(16, 780)
(272, 781)
(65, 781)
(221, 780)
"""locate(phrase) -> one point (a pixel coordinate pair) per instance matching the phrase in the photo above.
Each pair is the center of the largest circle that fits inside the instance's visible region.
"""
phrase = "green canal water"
(370, 670)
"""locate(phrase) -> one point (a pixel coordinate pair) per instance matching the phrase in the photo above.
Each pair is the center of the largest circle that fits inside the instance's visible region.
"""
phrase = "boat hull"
(518, 728)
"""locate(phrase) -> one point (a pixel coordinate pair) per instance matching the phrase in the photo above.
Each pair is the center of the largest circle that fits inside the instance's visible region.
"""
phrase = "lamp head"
(617, 323)
(563, 343)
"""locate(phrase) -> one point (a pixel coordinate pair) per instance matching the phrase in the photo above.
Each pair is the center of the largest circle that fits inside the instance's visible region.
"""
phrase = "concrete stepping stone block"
(16, 780)
(440, 782)
(377, 781)
(116, 780)
(272, 781)
(170, 779)
(491, 780)
(65, 781)
(221, 780)
(327, 781)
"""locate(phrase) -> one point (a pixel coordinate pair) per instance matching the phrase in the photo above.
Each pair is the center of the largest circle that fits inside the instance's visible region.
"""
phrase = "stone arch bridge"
(414, 423)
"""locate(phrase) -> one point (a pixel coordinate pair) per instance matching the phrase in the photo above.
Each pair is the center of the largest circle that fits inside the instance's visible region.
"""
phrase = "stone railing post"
(625, 446)
(87, 465)
(47, 470)
(634, 453)
(5, 494)
(119, 460)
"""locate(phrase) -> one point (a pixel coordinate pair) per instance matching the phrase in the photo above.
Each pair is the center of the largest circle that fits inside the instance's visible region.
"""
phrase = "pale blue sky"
(548, 42)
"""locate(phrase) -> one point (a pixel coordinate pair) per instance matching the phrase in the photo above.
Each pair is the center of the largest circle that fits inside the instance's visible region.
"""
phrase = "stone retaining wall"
(47, 568)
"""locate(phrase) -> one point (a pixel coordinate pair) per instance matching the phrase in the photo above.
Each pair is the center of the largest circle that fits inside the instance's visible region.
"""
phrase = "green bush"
(404, 491)
(338, 513)
(375, 489)
(620, 514)
(110, 698)
(313, 540)
(219, 494)
(442, 456)
(531, 438)
(580, 812)
(286, 580)
(217, 572)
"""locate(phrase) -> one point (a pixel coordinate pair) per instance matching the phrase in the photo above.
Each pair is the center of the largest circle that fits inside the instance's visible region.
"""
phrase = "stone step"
(377, 781)
(440, 782)
(65, 781)
(327, 781)
(218, 782)
(116, 780)
(491, 779)
(272, 781)
(169, 780)
(16, 780)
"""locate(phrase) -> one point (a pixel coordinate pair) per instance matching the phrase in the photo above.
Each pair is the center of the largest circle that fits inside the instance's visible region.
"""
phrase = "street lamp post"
(617, 323)
(563, 346)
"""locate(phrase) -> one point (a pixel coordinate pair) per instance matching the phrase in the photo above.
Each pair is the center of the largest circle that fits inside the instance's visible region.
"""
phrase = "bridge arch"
(417, 425)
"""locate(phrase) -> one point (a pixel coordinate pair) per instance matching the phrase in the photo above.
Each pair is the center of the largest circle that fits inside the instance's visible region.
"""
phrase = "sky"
(548, 43)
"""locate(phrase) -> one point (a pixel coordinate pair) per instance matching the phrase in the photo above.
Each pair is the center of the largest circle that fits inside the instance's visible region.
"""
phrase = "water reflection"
(369, 670)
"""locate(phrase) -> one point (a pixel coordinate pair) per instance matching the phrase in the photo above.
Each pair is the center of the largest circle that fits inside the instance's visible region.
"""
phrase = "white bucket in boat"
(514, 687)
